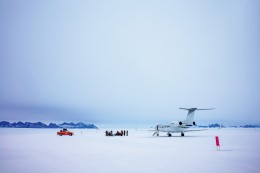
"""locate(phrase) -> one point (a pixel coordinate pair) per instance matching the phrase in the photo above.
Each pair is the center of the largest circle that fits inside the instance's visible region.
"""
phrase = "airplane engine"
(194, 123)
(180, 123)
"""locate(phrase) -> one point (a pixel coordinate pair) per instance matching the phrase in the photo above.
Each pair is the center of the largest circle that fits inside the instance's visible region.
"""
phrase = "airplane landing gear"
(156, 133)
(169, 134)
(182, 134)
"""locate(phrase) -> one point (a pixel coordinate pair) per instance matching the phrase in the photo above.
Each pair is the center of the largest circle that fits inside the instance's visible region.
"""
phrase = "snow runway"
(41, 151)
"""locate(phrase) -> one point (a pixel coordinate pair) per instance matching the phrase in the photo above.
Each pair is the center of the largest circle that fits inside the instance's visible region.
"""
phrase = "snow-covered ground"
(90, 151)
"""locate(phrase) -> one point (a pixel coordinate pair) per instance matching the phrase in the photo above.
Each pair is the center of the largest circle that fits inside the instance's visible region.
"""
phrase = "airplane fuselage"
(173, 127)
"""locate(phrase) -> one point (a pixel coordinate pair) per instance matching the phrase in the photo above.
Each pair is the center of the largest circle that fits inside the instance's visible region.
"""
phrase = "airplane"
(179, 126)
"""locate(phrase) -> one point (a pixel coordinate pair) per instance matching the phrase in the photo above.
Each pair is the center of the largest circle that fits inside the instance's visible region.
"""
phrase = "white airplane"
(179, 126)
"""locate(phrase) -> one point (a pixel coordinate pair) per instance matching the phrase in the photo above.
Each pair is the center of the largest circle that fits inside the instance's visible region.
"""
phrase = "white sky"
(129, 62)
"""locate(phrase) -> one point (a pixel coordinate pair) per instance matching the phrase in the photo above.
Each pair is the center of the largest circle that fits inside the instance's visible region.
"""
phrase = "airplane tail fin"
(190, 117)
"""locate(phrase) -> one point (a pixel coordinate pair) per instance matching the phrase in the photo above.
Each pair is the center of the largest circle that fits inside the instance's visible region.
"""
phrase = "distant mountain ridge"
(20, 124)
(216, 125)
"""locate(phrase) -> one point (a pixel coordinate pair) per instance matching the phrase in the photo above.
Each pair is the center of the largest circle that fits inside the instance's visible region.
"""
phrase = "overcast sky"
(129, 61)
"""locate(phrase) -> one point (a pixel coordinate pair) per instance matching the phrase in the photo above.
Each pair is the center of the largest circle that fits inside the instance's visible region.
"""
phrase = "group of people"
(118, 133)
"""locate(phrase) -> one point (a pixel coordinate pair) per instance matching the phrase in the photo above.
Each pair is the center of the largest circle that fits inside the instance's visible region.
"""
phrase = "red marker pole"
(217, 143)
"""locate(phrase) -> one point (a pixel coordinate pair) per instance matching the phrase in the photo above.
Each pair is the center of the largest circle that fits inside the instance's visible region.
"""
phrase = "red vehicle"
(64, 132)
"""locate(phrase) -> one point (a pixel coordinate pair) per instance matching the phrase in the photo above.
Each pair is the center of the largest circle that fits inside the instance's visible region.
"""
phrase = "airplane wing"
(195, 130)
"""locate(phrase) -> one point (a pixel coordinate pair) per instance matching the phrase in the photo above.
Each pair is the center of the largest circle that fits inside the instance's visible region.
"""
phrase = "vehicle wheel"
(182, 134)
(70, 134)
(60, 134)
(169, 134)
